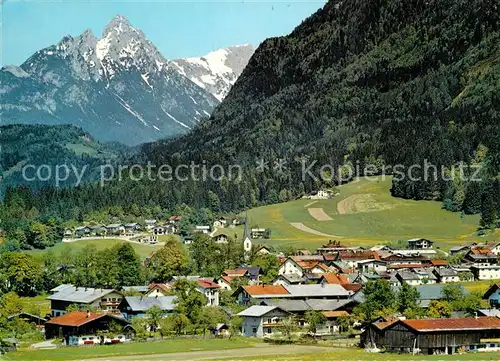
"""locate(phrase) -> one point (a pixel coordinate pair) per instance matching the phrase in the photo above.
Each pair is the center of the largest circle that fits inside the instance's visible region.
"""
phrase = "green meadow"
(139, 349)
(363, 213)
(143, 250)
(360, 355)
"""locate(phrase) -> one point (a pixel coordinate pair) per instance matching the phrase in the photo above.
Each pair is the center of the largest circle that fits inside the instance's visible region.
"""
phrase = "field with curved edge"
(143, 250)
(363, 213)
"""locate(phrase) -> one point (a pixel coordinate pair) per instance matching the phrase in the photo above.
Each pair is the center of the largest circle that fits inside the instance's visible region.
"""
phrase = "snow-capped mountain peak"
(217, 71)
(119, 87)
(127, 46)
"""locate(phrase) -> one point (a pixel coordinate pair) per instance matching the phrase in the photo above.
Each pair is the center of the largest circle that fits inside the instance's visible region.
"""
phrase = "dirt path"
(260, 350)
(319, 214)
(118, 238)
(310, 204)
(304, 228)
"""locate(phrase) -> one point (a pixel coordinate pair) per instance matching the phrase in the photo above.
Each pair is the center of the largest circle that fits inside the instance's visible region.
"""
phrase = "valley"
(233, 205)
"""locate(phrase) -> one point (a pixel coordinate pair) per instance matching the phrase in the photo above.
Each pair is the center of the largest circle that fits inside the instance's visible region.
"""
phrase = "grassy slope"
(142, 250)
(375, 217)
(38, 305)
(136, 348)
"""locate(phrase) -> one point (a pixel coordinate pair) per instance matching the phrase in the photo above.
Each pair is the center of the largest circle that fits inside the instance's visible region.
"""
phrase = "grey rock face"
(217, 71)
(118, 88)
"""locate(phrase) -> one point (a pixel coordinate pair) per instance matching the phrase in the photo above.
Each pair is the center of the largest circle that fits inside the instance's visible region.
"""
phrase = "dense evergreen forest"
(49, 146)
(382, 82)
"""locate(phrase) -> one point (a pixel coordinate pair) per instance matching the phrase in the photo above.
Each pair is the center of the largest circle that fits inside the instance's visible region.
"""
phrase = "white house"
(416, 278)
(220, 238)
(263, 250)
(446, 275)
(211, 291)
(158, 290)
(202, 229)
(150, 223)
(495, 248)
(117, 229)
(224, 283)
(220, 223)
(419, 243)
(260, 321)
(299, 267)
(484, 272)
(371, 265)
(257, 233)
(321, 194)
(84, 297)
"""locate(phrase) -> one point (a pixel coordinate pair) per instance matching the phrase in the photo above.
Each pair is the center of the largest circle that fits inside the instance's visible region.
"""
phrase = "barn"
(443, 335)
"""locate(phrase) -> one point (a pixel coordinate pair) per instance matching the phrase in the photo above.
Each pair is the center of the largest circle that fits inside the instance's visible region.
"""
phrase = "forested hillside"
(382, 82)
(377, 82)
(49, 146)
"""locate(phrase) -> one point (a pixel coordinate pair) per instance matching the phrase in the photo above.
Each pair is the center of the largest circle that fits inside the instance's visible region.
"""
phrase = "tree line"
(379, 83)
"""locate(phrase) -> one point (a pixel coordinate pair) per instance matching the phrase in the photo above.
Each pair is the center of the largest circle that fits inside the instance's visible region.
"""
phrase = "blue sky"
(177, 28)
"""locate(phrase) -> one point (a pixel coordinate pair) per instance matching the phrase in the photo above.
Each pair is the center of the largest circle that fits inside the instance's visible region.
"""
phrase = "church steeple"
(247, 236)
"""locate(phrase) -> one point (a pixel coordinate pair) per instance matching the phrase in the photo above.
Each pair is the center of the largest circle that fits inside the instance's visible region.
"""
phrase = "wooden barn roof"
(453, 324)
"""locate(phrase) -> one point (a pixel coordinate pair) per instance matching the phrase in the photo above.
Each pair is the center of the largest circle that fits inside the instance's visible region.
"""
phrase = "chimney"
(88, 313)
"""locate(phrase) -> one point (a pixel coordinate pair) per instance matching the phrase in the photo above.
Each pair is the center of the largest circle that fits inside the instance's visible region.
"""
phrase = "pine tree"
(129, 265)
(488, 211)
(472, 202)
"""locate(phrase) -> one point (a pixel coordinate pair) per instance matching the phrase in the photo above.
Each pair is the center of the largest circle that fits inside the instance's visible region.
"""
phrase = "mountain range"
(119, 87)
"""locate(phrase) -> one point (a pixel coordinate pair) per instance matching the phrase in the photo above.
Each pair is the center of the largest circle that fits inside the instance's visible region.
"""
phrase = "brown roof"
(480, 250)
(399, 257)
(335, 314)
(384, 324)
(235, 272)
(310, 264)
(324, 267)
(335, 279)
(207, 284)
(406, 265)
(161, 286)
(227, 279)
(439, 262)
(304, 252)
(358, 255)
(453, 324)
(75, 319)
(266, 290)
(330, 257)
(355, 287)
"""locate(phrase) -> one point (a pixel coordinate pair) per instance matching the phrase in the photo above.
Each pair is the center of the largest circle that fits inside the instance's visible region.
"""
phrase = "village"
(323, 293)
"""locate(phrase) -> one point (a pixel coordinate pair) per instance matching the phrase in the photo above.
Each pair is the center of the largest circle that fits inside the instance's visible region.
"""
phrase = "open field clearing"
(143, 250)
(364, 213)
(133, 351)
(360, 355)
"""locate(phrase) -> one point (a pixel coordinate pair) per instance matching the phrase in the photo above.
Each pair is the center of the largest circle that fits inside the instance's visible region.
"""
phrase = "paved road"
(259, 350)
